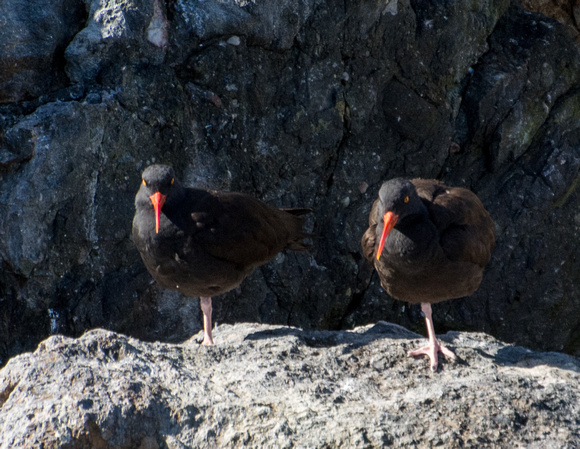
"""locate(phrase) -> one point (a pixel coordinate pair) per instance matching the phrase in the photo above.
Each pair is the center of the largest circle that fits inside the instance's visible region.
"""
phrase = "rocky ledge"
(268, 386)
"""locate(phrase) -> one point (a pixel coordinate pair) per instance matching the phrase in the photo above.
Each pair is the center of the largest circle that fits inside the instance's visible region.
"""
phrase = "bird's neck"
(414, 237)
(412, 220)
(174, 201)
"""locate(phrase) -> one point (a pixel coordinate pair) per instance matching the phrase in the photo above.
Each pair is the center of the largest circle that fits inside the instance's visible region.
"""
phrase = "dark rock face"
(302, 104)
(34, 38)
(272, 386)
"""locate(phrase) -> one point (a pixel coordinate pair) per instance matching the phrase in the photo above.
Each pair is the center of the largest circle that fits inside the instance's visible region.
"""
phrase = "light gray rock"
(269, 386)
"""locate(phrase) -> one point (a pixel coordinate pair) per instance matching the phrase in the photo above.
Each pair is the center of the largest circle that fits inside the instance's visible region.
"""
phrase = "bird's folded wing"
(465, 227)
(240, 230)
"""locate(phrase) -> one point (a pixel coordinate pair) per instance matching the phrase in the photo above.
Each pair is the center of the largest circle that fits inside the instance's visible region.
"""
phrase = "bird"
(203, 243)
(428, 243)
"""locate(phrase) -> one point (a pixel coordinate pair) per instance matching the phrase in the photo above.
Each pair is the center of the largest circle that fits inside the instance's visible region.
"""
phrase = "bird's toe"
(431, 351)
(447, 352)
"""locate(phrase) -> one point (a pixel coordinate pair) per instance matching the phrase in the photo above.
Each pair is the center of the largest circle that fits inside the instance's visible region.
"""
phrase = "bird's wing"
(241, 229)
(369, 238)
(465, 227)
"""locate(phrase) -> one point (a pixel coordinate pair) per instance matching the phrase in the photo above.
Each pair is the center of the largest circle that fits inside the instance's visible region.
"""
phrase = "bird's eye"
(406, 199)
(144, 183)
(172, 179)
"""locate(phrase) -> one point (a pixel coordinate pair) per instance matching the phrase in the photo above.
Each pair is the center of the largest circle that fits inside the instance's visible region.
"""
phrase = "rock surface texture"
(307, 103)
(281, 387)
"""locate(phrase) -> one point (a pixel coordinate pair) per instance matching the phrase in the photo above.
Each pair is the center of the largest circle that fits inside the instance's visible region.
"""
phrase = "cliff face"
(268, 386)
(302, 104)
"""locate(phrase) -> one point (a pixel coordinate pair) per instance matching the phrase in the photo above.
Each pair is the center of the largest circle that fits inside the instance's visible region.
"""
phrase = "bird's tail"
(298, 243)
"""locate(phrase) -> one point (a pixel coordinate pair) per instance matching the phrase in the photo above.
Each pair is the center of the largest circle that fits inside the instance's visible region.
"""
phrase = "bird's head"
(158, 182)
(398, 198)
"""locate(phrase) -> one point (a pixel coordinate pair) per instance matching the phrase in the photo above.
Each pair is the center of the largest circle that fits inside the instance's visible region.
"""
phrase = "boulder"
(273, 386)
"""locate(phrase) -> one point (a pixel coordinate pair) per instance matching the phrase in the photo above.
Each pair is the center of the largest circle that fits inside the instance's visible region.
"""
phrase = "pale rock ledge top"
(272, 386)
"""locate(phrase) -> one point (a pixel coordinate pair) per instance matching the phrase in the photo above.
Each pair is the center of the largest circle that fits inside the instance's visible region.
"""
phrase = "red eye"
(406, 199)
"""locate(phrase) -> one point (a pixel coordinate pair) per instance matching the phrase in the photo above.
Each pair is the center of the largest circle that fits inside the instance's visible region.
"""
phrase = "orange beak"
(157, 199)
(389, 220)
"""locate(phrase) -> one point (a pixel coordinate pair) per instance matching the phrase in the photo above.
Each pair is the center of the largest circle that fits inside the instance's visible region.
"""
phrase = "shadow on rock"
(517, 356)
(322, 339)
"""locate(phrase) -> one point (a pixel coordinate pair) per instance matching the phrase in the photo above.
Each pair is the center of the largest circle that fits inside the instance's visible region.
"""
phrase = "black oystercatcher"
(429, 243)
(205, 242)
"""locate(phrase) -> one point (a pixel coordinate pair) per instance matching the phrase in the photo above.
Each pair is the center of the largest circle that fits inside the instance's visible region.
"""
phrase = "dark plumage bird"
(205, 242)
(429, 243)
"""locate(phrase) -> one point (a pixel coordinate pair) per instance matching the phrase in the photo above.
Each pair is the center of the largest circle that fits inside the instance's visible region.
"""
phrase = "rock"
(276, 386)
(117, 33)
(301, 104)
(564, 11)
(32, 57)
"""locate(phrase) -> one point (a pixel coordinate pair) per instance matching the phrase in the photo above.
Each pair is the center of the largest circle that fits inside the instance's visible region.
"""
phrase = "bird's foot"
(207, 341)
(431, 351)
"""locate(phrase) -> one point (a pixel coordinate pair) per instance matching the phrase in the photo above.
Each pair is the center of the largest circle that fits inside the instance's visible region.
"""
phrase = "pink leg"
(205, 304)
(433, 347)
